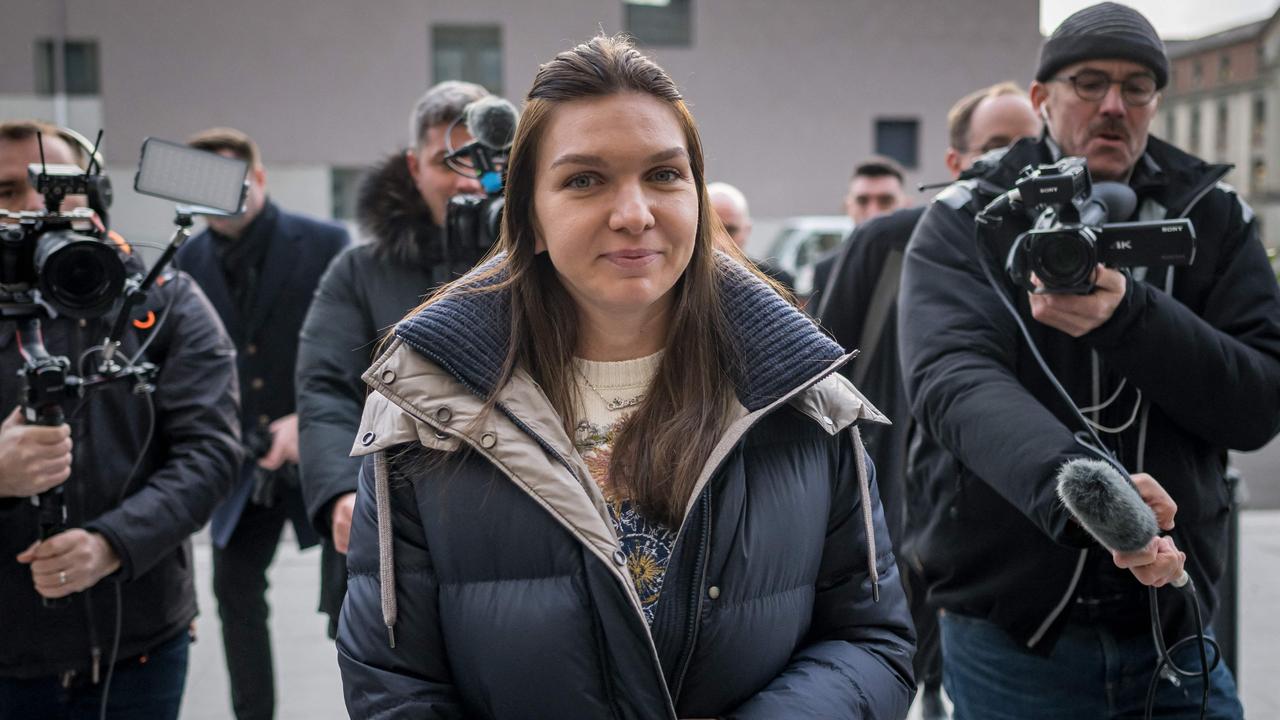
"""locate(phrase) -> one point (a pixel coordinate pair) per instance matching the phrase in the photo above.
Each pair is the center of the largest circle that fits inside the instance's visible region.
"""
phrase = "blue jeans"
(142, 688)
(1092, 674)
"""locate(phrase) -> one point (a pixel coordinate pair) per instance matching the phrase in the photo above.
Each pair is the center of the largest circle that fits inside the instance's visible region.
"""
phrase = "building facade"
(789, 96)
(1223, 104)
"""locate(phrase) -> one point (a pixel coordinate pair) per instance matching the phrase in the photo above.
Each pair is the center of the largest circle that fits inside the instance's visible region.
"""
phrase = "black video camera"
(51, 259)
(474, 221)
(1071, 231)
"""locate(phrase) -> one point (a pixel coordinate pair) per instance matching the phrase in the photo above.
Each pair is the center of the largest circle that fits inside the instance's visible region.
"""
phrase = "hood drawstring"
(386, 553)
(868, 522)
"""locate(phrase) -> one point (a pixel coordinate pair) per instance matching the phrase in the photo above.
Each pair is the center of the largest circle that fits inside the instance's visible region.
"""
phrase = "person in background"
(259, 269)
(859, 308)
(401, 208)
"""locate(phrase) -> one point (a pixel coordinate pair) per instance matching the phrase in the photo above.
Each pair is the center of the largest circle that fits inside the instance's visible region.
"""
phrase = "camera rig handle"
(45, 388)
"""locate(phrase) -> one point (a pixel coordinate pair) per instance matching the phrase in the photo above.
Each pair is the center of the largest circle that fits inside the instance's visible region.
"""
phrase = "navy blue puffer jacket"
(499, 590)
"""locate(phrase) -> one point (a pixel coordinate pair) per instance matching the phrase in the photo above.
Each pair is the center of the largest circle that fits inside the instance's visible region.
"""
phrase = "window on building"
(1220, 128)
(1259, 120)
(1257, 176)
(660, 23)
(1224, 68)
(899, 139)
(344, 186)
(467, 52)
(1193, 143)
(80, 71)
(1197, 73)
(1171, 127)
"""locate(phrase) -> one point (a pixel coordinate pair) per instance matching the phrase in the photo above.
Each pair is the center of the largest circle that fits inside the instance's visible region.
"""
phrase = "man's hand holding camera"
(1077, 315)
(69, 562)
(33, 458)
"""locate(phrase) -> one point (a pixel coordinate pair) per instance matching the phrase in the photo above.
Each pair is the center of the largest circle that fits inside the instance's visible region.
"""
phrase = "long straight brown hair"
(660, 452)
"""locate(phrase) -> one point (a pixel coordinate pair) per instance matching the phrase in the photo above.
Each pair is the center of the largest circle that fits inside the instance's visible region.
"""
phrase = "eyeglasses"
(1092, 86)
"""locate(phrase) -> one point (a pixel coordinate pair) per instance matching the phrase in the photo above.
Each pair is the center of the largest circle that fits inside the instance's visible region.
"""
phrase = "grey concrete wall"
(786, 93)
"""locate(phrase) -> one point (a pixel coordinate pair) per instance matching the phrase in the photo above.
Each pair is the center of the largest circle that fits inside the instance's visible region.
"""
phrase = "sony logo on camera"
(1072, 234)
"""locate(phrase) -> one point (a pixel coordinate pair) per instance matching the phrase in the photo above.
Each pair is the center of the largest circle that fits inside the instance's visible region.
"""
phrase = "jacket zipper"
(696, 596)
(629, 587)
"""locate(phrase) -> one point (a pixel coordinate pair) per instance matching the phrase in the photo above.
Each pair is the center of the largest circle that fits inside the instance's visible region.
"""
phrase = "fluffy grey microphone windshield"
(1106, 505)
(492, 122)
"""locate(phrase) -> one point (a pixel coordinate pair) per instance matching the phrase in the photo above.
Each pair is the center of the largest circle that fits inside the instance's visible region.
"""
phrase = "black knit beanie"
(1102, 32)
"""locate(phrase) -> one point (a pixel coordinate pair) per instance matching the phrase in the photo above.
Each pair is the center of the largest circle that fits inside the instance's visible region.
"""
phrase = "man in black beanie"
(1172, 366)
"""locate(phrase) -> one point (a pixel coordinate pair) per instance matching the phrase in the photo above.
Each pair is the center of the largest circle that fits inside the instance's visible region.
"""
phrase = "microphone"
(1109, 202)
(492, 122)
(1108, 506)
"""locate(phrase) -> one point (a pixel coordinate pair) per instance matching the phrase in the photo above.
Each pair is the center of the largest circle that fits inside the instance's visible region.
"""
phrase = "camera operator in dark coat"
(401, 208)
(1173, 366)
(260, 270)
(141, 473)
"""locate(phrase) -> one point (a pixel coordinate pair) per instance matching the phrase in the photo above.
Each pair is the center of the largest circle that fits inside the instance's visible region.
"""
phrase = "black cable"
(1164, 655)
(119, 625)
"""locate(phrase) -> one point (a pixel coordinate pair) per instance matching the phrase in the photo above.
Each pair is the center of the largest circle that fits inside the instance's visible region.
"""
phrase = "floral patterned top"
(609, 392)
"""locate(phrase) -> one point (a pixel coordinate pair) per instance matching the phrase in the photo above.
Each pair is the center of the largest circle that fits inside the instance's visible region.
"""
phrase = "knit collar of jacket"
(391, 211)
(775, 346)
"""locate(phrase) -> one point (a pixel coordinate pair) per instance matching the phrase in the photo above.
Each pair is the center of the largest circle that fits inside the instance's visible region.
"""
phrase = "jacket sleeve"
(411, 680)
(957, 346)
(1220, 378)
(857, 660)
(196, 433)
(333, 351)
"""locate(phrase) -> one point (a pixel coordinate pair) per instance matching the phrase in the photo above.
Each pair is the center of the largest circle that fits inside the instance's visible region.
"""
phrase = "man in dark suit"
(260, 269)
(859, 308)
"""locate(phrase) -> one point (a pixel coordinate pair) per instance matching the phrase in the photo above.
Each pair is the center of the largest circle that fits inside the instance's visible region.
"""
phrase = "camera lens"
(1063, 260)
(80, 276)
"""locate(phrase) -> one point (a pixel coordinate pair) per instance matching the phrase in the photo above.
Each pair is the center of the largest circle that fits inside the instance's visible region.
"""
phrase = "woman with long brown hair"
(612, 473)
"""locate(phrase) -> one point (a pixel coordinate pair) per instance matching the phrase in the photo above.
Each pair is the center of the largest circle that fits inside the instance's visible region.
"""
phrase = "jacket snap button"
(388, 376)
(828, 420)
(488, 440)
(258, 383)
(444, 414)
(619, 557)
(367, 439)
(713, 592)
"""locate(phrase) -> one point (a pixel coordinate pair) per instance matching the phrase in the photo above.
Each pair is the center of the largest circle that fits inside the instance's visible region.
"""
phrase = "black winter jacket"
(148, 517)
(1201, 343)
(510, 597)
(367, 289)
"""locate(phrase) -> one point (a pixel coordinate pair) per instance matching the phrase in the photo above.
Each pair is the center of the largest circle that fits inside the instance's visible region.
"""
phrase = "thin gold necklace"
(612, 405)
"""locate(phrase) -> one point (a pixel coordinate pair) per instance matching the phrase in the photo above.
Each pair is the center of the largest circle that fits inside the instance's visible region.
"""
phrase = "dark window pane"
(899, 139)
(467, 52)
(660, 23)
(344, 183)
(80, 70)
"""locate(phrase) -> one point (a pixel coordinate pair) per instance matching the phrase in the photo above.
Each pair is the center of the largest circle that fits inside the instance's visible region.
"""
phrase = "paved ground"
(309, 688)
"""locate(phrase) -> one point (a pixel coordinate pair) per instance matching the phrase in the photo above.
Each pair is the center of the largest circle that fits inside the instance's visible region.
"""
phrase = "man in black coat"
(260, 270)
(140, 473)
(859, 308)
(1173, 366)
(368, 289)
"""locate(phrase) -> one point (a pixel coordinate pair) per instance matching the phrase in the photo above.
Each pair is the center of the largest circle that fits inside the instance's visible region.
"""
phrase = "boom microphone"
(492, 122)
(1108, 506)
(1109, 202)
